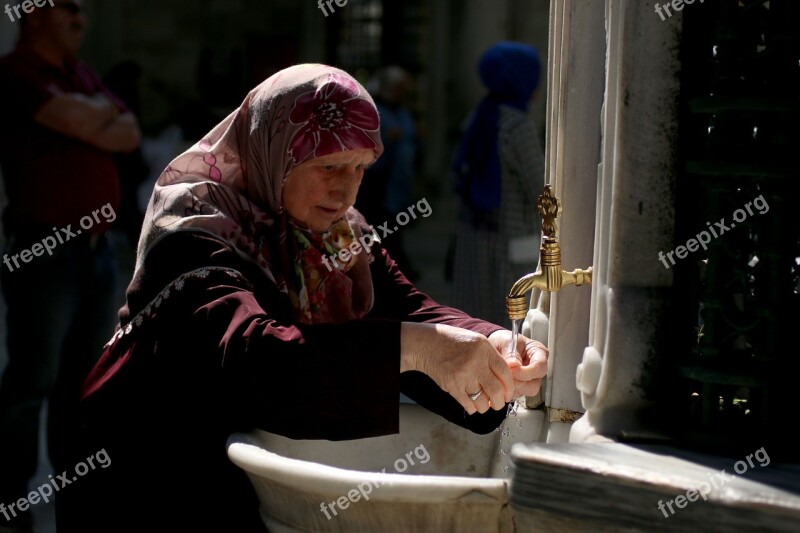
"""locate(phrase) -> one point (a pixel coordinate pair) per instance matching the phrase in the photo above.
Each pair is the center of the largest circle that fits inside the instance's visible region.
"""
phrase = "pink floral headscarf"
(230, 184)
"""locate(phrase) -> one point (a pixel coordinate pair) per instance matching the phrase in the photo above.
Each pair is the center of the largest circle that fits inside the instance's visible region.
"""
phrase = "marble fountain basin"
(431, 476)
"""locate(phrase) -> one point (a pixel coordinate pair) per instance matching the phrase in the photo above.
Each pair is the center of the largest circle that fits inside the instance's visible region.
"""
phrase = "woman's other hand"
(530, 365)
(461, 362)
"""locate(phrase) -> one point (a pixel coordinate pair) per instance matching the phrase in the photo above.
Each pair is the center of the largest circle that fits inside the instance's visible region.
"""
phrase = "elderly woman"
(232, 322)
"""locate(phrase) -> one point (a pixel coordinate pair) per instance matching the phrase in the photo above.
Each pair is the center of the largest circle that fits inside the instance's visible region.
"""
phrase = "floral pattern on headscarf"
(332, 118)
(230, 184)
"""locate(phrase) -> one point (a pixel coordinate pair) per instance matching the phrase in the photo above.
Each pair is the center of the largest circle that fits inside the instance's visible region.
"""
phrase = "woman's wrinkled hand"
(528, 367)
(461, 362)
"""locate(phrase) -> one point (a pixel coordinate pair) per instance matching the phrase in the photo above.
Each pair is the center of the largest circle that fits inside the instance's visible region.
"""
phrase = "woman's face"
(318, 192)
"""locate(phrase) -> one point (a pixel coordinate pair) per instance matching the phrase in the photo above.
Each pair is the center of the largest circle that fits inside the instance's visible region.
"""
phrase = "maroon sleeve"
(351, 371)
(236, 326)
(397, 297)
(346, 374)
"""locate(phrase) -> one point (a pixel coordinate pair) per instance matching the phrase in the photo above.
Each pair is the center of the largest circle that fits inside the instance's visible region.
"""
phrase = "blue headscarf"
(510, 71)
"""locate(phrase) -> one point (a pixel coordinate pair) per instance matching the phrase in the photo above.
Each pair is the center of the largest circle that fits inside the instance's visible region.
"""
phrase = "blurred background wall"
(183, 65)
(190, 62)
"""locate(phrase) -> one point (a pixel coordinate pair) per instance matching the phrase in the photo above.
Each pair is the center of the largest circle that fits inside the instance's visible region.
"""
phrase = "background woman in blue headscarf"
(499, 167)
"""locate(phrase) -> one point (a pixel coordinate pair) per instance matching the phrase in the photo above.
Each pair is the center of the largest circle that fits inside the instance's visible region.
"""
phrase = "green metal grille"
(737, 366)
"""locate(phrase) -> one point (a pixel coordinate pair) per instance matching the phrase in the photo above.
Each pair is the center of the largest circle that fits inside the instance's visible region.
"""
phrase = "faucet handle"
(548, 276)
(547, 206)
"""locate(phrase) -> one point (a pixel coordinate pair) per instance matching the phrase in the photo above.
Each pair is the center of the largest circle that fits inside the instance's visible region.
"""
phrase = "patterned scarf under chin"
(230, 184)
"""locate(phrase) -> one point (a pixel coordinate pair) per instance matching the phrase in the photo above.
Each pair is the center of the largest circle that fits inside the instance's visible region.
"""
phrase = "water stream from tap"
(510, 352)
(511, 349)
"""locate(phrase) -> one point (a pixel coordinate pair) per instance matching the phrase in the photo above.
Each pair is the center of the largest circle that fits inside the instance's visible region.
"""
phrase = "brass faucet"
(550, 278)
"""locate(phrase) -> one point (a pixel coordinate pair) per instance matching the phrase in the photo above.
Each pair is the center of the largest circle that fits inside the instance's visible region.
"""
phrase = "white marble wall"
(575, 95)
(634, 218)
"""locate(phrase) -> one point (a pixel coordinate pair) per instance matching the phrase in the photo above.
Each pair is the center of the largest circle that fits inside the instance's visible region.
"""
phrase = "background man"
(59, 131)
(388, 185)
